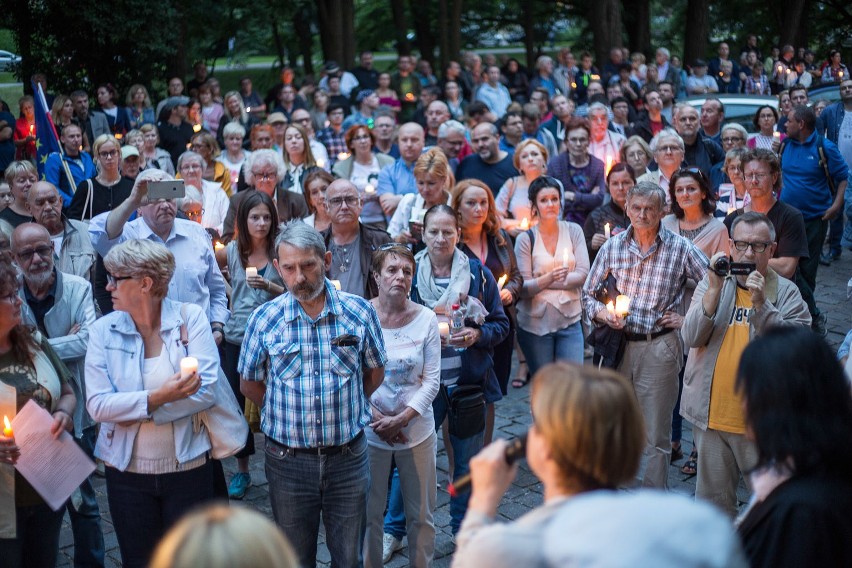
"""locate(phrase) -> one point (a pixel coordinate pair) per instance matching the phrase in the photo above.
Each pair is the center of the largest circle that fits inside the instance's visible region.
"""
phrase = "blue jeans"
(37, 541)
(563, 345)
(301, 486)
(145, 506)
(463, 450)
(395, 516)
(847, 209)
(86, 517)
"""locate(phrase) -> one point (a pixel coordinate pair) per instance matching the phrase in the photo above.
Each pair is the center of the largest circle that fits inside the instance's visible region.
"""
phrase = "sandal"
(523, 376)
(691, 465)
(677, 453)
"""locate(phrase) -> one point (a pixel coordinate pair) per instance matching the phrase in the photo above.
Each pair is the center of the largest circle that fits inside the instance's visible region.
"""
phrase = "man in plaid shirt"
(651, 265)
(333, 137)
(310, 361)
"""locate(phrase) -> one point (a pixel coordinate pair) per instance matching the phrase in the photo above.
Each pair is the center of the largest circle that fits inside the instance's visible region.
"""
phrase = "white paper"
(55, 468)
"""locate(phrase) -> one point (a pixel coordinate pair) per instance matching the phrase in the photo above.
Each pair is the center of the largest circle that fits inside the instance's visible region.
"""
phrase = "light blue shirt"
(497, 98)
(197, 279)
(397, 179)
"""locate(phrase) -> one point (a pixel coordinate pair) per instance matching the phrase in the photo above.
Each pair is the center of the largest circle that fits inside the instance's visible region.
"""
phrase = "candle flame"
(7, 427)
(525, 223)
(502, 281)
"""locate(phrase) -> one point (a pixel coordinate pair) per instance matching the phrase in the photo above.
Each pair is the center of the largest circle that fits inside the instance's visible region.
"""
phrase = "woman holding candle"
(29, 370)
(151, 154)
(234, 111)
(24, 135)
(316, 182)
(434, 179)
(254, 281)
(581, 174)
(512, 203)
(610, 218)
(834, 71)
(483, 239)
(554, 263)
(362, 168)
(765, 119)
(214, 171)
(234, 155)
(691, 218)
(149, 437)
(446, 277)
(139, 108)
(298, 157)
(403, 426)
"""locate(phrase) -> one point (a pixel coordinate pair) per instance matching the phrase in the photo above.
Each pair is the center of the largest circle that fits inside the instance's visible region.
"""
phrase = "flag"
(47, 141)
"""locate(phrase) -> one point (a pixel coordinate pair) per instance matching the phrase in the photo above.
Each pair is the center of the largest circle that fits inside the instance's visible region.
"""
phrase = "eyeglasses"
(755, 177)
(109, 154)
(113, 280)
(361, 138)
(337, 202)
(669, 149)
(265, 176)
(194, 214)
(758, 247)
(27, 255)
(732, 139)
(578, 140)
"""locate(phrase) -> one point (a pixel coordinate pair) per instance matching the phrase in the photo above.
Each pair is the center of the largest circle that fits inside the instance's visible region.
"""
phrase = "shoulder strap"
(531, 237)
(184, 334)
(823, 161)
(90, 200)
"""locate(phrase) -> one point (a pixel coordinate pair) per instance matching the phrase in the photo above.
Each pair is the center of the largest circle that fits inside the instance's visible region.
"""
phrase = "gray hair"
(451, 126)
(598, 106)
(666, 134)
(665, 52)
(140, 258)
(736, 126)
(301, 236)
(265, 157)
(754, 218)
(734, 154)
(233, 128)
(192, 195)
(648, 189)
(190, 156)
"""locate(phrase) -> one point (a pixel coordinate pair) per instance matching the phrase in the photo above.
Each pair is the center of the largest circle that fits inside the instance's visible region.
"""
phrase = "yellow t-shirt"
(726, 411)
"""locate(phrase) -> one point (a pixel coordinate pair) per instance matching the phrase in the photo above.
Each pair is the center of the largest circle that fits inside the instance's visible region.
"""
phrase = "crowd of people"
(357, 262)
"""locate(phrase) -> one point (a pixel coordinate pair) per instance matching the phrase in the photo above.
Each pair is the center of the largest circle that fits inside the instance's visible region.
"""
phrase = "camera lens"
(722, 266)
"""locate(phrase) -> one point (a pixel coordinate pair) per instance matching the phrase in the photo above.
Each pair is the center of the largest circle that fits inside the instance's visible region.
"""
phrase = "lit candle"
(218, 246)
(567, 258)
(251, 271)
(119, 136)
(525, 224)
(731, 210)
(443, 329)
(195, 128)
(369, 189)
(32, 128)
(342, 156)
(608, 164)
(188, 365)
(320, 163)
(502, 281)
(409, 96)
(610, 307)
(248, 109)
(607, 231)
(336, 284)
(622, 305)
(776, 135)
(757, 85)
(7, 427)
(840, 74)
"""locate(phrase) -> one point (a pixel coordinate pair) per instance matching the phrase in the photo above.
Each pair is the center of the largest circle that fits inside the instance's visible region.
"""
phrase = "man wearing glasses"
(727, 312)
(667, 147)
(303, 118)
(350, 242)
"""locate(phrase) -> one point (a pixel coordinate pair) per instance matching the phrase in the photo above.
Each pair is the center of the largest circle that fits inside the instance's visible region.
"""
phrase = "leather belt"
(320, 451)
(647, 336)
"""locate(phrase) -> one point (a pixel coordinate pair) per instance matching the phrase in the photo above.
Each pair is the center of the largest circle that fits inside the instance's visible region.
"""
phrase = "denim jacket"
(115, 395)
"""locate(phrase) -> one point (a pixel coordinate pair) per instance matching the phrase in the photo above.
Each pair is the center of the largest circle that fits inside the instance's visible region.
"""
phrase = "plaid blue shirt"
(654, 281)
(315, 390)
(334, 142)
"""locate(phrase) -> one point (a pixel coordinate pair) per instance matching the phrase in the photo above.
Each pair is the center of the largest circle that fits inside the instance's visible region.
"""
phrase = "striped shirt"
(315, 390)
(654, 280)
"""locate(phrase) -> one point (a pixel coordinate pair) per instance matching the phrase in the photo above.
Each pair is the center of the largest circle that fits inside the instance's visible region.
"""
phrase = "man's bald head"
(411, 139)
(33, 252)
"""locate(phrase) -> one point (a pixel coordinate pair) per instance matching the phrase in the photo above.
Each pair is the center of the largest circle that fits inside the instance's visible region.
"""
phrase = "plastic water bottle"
(457, 318)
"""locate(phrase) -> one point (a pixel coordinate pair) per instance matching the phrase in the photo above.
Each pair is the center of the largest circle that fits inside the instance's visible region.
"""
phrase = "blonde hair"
(140, 258)
(222, 536)
(434, 162)
(516, 159)
(17, 167)
(591, 423)
(99, 142)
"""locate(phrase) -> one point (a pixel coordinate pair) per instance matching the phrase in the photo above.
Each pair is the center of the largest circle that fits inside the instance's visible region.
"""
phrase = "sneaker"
(240, 483)
(825, 259)
(818, 324)
(390, 544)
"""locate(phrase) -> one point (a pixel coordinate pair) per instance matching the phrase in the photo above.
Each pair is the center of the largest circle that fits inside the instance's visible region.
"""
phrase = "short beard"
(304, 294)
(38, 278)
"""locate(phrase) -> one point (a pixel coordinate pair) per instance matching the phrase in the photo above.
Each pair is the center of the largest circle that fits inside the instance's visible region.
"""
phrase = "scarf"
(440, 300)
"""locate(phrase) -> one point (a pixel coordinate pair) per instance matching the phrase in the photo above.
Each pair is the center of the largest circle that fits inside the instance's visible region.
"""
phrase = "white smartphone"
(172, 189)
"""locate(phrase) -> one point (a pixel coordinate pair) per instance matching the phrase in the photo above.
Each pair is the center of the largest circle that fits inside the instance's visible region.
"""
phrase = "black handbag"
(466, 411)
(608, 343)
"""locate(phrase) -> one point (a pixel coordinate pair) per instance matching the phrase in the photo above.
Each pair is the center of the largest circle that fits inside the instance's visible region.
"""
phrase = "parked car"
(826, 91)
(738, 108)
(8, 60)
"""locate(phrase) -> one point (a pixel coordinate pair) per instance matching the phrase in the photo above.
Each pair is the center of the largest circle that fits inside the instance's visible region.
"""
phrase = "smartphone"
(172, 189)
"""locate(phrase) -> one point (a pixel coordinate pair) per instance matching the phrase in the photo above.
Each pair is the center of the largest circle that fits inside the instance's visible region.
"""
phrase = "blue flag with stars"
(46, 139)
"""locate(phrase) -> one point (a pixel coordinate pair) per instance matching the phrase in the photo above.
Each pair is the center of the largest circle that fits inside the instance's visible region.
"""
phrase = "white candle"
(7, 427)
(567, 258)
(622, 305)
(525, 224)
(251, 271)
(342, 156)
(320, 163)
(776, 135)
(443, 329)
(336, 284)
(607, 231)
(188, 365)
(608, 164)
(502, 281)
(610, 307)
(218, 246)
(369, 189)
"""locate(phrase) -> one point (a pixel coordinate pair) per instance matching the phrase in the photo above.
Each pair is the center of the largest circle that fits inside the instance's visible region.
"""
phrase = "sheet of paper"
(55, 468)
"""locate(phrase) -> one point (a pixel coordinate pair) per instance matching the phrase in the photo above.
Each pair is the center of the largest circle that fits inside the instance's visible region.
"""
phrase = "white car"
(8, 59)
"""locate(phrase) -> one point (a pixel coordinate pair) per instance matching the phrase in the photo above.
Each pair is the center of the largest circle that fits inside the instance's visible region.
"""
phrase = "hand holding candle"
(188, 366)
(7, 428)
(622, 306)
(607, 231)
(568, 259)
(502, 281)
(525, 224)
(251, 272)
(443, 329)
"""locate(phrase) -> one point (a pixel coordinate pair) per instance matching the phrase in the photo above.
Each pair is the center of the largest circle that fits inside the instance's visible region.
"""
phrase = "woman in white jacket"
(157, 464)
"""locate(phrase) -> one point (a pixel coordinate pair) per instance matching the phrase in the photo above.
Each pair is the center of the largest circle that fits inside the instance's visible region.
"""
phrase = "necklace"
(343, 254)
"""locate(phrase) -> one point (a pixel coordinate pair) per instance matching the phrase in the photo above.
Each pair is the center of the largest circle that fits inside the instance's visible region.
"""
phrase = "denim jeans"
(145, 506)
(301, 486)
(847, 209)
(85, 516)
(563, 345)
(395, 516)
(37, 541)
(463, 450)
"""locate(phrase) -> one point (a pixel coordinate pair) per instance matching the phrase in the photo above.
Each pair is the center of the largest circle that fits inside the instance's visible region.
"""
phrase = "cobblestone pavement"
(512, 419)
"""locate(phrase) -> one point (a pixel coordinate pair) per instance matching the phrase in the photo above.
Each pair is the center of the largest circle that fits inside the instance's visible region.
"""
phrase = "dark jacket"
(832, 119)
(506, 254)
(642, 126)
(477, 361)
(290, 206)
(371, 240)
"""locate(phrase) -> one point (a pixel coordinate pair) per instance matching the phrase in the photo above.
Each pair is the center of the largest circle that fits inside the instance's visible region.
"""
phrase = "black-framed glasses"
(27, 254)
(113, 280)
(757, 247)
(732, 139)
(194, 214)
(336, 202)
